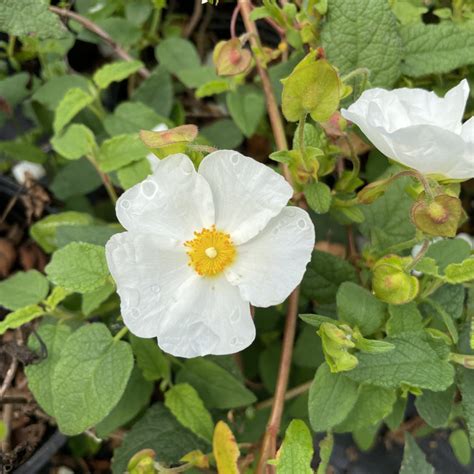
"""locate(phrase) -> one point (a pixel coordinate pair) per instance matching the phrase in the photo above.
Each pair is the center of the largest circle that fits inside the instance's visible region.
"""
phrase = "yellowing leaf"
(225, 449)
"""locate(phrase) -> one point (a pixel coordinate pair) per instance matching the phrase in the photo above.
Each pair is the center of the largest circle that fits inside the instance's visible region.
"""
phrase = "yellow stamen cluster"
(210, 251)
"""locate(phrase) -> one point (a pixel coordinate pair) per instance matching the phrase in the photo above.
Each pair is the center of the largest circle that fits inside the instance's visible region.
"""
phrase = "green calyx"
(391, 282)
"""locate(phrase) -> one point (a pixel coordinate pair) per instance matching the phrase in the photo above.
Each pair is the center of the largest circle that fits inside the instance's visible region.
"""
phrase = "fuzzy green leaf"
(296, 451)
(90, 378)
(363, 33)
(436, 49)
(23, 289)
(246, 107)
(20, 316)
(414, 460)
(76, 141)
(120, 151)
(150, 359)
(115, 72)
(78, 267)
(186, 405)
(71, 104)
(217, 387)
(331, 398)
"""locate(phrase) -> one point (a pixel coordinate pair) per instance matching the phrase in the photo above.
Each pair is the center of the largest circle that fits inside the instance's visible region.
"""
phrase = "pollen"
(210, 252)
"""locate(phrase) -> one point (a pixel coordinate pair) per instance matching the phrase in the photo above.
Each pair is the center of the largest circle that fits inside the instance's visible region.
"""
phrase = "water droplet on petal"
(235, 316)
(235, 159)
(133, 314)
(186, 167)
(302, 224)
(125, 204)
(149, 189)
(235, 341)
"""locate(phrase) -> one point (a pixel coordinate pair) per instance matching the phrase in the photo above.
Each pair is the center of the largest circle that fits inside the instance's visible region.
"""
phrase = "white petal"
(270, 266)
(174, 201)
(149, 272)
(210, 318)
(432, 150)
(246, 193)
(467, 133)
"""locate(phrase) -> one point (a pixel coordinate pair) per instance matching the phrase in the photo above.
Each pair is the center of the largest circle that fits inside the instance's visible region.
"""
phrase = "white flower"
(202, 245)
(23, 168)
(419, 129)
(152, 158)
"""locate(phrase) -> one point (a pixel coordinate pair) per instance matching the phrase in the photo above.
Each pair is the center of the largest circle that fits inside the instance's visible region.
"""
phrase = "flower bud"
(391, 283)
(439, 217)
(142, 462)
(167, 142)
(336, 343)
(373, 191)
(230, 58)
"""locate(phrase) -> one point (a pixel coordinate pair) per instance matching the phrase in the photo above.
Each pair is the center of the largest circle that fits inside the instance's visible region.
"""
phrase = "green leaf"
(451, 299)
(90, 378)
(412, 362)
(150, 359)
(404, 318)
(459, 442)
(197, 76)
(16, 150)
(76, 141)
(131, 117)
(435, 407)
(14, 88)
(158, 430)
(119, 151)
(71, 104)
(318, 196)
(448, 251)
(44, 232)
(91, 301)
(30, 17)
(176, 54)
(363, 33)
(466, 386)
(436, 49)
(395, 418)
(156, 92)
(20, 316)
(373, 405)
(414, 460)
(246, 107)
(460, 272)
(324, 275)
(368, 314)
(23, 289)
(91, 234)
(122, 31)
(308, 350)
(40, 375)
(386, 220)
(76, 178)
(133, 173)
(296, 451)
(184, 402)
(216, 387)
(115, 72)
(223, 134)
(53, 90)
(135, 398)
(331, 398)
(212, 88)
(78, 267)
(316, 319)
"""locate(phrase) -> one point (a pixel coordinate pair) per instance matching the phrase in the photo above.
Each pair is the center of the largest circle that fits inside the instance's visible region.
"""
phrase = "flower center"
(210, 251)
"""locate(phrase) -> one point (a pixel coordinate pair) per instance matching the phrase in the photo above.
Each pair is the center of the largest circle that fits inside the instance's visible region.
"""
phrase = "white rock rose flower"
(419, 129)
(201, 246)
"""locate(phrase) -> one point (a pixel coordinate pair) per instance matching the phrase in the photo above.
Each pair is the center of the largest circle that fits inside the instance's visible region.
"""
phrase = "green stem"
(360, 71)
(467, 360)
(121, 333)
(155, 21)
(105, 179)
(408, 244)
(301, 134)
(419, 256)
